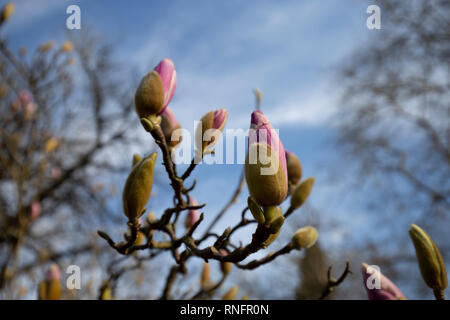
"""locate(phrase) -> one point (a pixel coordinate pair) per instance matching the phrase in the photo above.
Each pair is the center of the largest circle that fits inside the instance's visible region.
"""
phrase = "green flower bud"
(138, 188)
(301, 193)
(53, 290)
(225, 266)
(7, 12)
(230, 294)
(204, 279)
(149, 97)
(266, 189)
(136, 159)
(304, 237)
(256, 211)
(213, 120)
(294, 169)
(42, 291)
(106, 294)
(429, 258)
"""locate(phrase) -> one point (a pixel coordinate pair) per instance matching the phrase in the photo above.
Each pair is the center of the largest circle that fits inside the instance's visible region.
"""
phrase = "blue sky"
(221, 50)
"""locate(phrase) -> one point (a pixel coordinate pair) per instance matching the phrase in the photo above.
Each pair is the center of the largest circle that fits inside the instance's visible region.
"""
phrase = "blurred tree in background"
(394, 130)
(64, 111)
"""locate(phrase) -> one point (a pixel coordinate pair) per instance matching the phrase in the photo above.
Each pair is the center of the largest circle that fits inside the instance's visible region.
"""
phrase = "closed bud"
(225, 266)
(192, 216)
(204, 279)
(106, 294)
(50, 288)
(294, 169)
(230, 294)
(304, 237)
(301, 193)
(169, 124)
(53, 290)
(166, 70)
(138, 188)
(256, 211)
(136, 159)
(151, 217)
(429, 258)
(67, 46)
(149, 96)
(35, 210)
(210, 128)
(46, 46)
(265, 165)
(51, 145)
(378, 286)
(7, 12)
(42, 291)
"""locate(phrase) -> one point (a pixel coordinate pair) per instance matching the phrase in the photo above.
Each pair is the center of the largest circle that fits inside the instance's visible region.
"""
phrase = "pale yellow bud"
(304, 237)
(230, 294)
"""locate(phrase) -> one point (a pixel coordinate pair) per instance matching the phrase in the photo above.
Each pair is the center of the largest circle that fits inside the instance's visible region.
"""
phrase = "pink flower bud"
(166, 70)
(35, 210)
(53, 273)
(386, 291)
(267, 180)
(225, 266)
(55, 173)
(25, 97)
(212, 120)
(169, 124)
(192, 216)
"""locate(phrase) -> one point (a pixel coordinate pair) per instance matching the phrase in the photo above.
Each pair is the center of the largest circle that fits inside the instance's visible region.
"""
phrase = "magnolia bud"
(304, 237)
(106, 294)
(205, 275)
(35, 210)
(136, 159)
(212, 124)
(301, 193)
(151, 217)
(225, 266)
(265, 165)
(53, 290)
(42, 291)
(294, 169)
(256, 211)
(429, 258)
(230, 294)
(50, 289)
(149, 97)
(169, 124)
(67, 46)
(192, 216)
(138, 188)
(387, 290)
(7, 12)
(166, 70)
(46, 46)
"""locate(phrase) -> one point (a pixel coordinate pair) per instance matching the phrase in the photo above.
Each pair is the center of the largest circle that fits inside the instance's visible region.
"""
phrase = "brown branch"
(332, 282)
